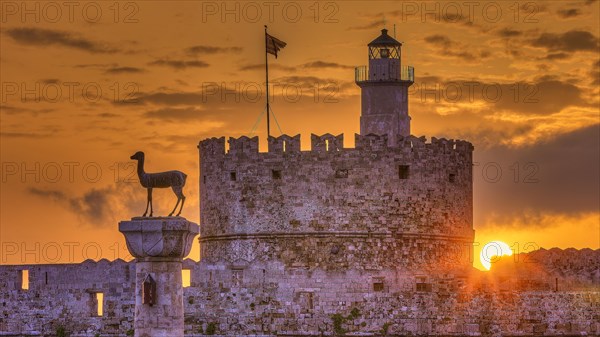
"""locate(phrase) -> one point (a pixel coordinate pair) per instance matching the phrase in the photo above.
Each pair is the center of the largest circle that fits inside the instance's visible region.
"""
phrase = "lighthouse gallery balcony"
(392, 73)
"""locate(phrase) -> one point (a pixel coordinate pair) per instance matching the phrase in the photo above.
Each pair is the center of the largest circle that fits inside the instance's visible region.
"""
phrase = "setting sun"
(492, 251)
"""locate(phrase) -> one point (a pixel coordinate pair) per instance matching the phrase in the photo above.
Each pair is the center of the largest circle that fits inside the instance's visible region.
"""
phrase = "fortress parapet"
(214, 148)
(284, 143)
(375, 205)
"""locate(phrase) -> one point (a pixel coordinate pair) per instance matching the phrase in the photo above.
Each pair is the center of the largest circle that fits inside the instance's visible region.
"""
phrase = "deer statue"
(173, 179)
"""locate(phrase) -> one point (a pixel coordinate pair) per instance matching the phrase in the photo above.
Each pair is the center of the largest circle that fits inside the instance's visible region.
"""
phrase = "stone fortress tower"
(374, 240)
(392, 202)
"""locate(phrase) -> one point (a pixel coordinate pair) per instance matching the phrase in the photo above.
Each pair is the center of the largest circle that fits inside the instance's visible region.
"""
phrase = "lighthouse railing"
(404, 73)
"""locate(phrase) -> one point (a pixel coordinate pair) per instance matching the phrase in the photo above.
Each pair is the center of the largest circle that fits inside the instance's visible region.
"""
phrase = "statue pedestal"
(159, 246)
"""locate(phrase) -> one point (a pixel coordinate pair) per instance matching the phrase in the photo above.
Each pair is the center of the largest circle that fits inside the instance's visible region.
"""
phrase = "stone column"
(159, 246)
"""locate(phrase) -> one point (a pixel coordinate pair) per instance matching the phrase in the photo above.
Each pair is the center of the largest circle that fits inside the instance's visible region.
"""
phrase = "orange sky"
(86, 86)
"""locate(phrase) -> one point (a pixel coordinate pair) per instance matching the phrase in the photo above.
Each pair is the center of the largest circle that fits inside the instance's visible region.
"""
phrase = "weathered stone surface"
(270, 299)
(159, 237)
(159, 244)
(378, 217)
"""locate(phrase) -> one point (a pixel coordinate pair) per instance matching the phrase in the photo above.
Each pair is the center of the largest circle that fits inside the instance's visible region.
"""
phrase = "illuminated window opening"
(326, 144)
(186, 277)
(25, 279)
(284, 146)
(99, 304)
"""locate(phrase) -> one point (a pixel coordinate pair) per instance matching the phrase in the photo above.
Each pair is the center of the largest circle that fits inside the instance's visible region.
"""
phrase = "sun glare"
(492, 251)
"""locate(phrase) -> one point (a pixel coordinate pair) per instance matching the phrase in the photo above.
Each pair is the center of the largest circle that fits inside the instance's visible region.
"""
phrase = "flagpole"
(267, 81)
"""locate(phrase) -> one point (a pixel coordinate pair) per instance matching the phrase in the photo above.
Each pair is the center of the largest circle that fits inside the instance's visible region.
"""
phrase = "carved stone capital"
(162, 237)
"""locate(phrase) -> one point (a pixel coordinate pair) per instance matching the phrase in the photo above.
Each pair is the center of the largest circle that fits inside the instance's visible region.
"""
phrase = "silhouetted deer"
(173, 179)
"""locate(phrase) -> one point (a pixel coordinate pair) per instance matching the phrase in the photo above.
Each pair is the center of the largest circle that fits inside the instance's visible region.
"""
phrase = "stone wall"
(64, 295)
(274, 300)
(381, 205)
(316, 302)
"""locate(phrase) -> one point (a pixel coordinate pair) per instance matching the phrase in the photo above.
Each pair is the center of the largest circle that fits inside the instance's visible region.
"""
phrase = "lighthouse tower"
(384, 90)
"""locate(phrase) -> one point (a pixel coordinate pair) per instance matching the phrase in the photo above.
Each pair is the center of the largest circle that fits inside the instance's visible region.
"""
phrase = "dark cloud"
(96, 65)
(174, 98)
(595, 73)
(108, 115)
(239, 103)
(439, 40)
(211, 102)
(12, 110)
(50, 81)
(197, 50)
(222, 96)
(30, 135)
(308, 65)
(47, 37)
(568, 13)
(304, 81)
(544, 96)
(556, 56)
(453, 49)
(558, 176)
(124, 70)
(180, 64)
(98, 206)
(325, 65)
(509, 33)
(312, 85)
(571, 41)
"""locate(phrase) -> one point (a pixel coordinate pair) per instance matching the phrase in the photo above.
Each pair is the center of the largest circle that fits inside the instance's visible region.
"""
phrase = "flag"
(274, 45)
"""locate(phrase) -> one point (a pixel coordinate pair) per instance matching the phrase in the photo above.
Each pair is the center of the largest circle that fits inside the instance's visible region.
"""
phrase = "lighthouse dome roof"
(384, 40)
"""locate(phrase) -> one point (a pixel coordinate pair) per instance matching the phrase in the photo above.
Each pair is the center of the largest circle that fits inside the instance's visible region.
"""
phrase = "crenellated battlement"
(243, 146)
(326, 143)
(214, 148)
(284, 143)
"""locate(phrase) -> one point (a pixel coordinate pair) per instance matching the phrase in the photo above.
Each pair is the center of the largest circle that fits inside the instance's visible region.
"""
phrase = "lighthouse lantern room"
(384, 90)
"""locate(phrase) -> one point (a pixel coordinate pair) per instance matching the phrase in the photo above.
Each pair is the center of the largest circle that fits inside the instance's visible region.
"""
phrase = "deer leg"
(150, 199)
(177, 192)
(174, 208)
(182, 201)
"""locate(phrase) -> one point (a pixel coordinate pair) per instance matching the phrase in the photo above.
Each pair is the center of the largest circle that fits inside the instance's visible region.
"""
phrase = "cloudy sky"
(86, 84)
